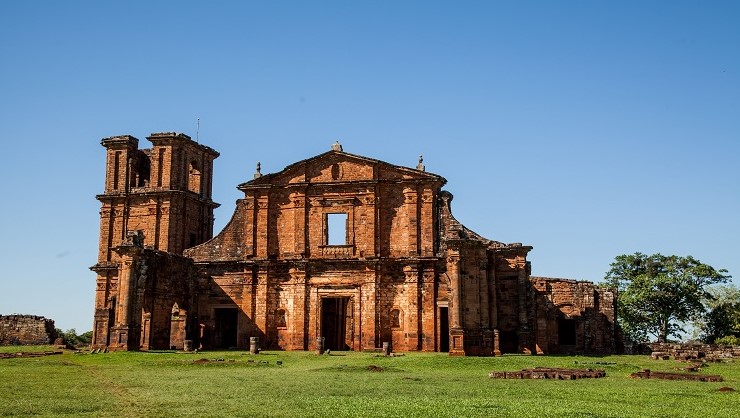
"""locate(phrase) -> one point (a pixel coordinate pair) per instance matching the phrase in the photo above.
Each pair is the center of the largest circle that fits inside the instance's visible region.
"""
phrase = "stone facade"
(340, 246)
(26, 330)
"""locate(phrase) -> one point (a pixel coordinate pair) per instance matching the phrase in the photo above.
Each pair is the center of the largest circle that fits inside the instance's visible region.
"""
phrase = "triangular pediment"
(340, 167)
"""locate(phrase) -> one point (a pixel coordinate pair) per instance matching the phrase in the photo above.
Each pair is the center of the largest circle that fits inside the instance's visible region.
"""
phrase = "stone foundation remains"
(647, 374)
(693, 351)
(550, 373)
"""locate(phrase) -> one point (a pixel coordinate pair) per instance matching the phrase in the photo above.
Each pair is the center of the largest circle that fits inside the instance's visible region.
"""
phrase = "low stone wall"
(26, 330)
(647, 374)
(549, 373)
(693, 351)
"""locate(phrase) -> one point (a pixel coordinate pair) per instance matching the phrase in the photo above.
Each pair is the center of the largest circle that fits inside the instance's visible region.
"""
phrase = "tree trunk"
(663, 334)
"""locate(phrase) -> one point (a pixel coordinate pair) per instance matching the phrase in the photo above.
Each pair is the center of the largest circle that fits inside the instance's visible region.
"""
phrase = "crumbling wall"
(573, 316)
(694, 351)
(26, 330)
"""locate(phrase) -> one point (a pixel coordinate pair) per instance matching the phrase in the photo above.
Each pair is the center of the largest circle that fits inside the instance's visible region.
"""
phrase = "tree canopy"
(723, 318)
(656, 293)
(70, 337)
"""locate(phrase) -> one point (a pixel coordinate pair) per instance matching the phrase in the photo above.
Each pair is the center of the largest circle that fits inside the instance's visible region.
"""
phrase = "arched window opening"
(177, 328)
(280, 318)
(116, 168)
(396, 318)
(139, 170)
(194, 177)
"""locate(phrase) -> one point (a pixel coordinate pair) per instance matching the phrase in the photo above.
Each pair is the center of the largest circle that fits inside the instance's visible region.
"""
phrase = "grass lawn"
(170, 384)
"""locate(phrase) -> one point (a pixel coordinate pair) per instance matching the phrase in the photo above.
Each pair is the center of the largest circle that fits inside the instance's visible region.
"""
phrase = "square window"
(336, 226)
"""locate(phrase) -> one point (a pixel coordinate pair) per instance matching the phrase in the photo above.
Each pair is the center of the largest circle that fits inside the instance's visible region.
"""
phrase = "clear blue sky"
(586, 129)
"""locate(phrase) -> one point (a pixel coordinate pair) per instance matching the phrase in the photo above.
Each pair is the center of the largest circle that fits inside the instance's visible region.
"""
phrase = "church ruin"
(354, 250)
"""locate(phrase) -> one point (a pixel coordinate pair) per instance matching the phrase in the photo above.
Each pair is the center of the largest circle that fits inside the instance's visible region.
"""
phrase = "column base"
(457, 342)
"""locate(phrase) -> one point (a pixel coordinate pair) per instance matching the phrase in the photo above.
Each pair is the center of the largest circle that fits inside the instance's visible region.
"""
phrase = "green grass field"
(170, 384)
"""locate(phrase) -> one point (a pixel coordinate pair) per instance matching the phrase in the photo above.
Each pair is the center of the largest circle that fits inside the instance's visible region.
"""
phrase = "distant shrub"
(728, 340)
(70, 337)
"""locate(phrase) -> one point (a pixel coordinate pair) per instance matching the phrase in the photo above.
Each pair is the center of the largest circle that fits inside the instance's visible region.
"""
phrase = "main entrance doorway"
(336, 318)
(226, 322)
(444, 330)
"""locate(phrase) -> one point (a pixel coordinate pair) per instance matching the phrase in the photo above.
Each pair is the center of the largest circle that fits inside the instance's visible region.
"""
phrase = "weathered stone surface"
(404, 270)
(549, 373)
(26, 330)
(693, 351)
(29, 354)
(647, 374)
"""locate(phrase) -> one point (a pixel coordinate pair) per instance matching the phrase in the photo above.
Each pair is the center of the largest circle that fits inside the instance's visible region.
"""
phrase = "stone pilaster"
(298, 324)
(428, 310)
(126, 329)
(457, 334)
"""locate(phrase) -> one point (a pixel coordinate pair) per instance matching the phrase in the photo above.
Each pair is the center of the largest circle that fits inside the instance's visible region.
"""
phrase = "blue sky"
(586, 129)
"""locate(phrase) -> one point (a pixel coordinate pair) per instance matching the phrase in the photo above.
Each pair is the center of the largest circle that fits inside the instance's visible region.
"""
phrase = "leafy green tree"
(728, 340)
(70, 337)
(723, 318)
(85, 338)
(656, 293)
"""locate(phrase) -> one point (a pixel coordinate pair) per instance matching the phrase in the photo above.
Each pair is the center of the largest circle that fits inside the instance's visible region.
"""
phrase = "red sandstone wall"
(26, 330)
(591, 307)
(272, 265)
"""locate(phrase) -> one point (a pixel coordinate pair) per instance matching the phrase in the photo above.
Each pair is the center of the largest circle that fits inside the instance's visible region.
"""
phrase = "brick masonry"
(26, 330)
(407, 272)
(693, 351)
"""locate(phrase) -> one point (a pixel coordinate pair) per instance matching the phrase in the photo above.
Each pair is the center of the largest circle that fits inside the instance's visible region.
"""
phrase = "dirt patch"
(201, 361)
(726, 389)
(129, 405)
(374, 368)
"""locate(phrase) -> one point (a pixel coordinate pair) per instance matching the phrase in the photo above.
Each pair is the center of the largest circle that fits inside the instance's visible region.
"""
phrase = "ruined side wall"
(581, 309)
(694, 351)
(168, 303)
(26, 330)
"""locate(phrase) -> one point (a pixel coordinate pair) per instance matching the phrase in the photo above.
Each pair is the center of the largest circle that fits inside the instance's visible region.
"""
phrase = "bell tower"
(165, 192)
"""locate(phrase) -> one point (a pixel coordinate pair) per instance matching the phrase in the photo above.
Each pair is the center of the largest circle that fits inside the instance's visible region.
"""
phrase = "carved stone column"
(457, 335)
(412, 234)
(262, 303)
(525, 329)
(412, 314)
(428, 310)
(124, 335)
(298, 323)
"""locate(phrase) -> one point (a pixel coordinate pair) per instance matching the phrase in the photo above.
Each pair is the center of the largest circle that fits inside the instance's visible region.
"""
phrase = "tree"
(70, 337)
(656, 293)
(723, 318)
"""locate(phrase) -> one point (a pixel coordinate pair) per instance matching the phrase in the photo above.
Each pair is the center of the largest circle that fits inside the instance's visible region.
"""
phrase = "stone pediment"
(340, 167)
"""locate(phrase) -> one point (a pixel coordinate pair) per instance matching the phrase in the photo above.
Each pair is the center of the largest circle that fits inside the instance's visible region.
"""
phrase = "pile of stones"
(647, 374)
(709, 352)
(549, 373)
(26, 355)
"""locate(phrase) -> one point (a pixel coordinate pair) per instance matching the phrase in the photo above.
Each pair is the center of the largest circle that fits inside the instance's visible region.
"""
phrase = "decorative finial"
(257, 173)
(336, 146)
(420, 166)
